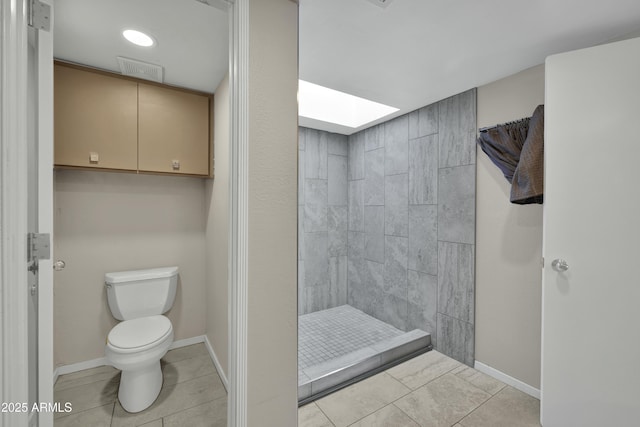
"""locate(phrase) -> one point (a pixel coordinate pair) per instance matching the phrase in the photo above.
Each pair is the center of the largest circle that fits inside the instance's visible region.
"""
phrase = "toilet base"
(140, 388)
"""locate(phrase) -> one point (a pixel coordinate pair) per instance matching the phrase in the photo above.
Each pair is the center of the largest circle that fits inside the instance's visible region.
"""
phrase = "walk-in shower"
(386, 244)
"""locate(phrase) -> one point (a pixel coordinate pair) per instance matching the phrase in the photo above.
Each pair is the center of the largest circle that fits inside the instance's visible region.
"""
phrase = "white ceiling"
(407, 55)
(192, 37)
(415, 52)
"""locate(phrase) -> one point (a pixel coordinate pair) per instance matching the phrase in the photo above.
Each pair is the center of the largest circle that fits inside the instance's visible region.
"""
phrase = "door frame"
(14, 82)
(13, 208)
(238, 210)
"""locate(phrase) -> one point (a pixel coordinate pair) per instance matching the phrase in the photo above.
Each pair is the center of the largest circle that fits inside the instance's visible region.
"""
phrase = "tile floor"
(431, 390)
(192, 395)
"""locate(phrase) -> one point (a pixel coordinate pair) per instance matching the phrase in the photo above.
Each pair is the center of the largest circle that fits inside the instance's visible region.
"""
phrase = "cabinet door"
(95, 120)
(173, 131)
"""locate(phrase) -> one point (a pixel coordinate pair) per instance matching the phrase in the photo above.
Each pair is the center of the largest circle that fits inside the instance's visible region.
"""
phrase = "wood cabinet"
(173, 131)
(113, 122)
(95, 115)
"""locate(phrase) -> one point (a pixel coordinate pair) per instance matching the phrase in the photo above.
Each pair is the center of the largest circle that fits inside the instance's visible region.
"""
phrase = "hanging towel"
(516, 148)
(527, 185)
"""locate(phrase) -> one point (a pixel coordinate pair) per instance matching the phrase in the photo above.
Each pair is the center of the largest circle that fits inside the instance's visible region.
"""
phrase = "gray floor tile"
(359, 400)
(173, 398)
(96, 417)
(154, 423)
(87, 396)
(480, 380)
(311, 416)
(87, 376)
(187, 369)
(389, 416)
(420, 370)
(187, 352)
(442, 402)
(210, 414)
(508, 408)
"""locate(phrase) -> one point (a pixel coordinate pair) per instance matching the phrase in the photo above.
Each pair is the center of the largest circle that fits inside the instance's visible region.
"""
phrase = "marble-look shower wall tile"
(456, 339)
(456, 119)
(457, 204)
(338, 280)
(356, 156)
(423, 303)
(316, 265)
(301, 178)
(338, 144)
(423, 238)
(363, 292)
(396, 205)
(395, 266)
(374, 233)
(456, 280)
(355, 243)
(413, 124)
(302, 290)
(302, 135)
(428, 120)
(337, 218)
(316, 154)
(337, 180)
(374, 177)
(301, 232)
(374, 137)
(423, 170)
(396, 139)
(356, 205)
(315, 207)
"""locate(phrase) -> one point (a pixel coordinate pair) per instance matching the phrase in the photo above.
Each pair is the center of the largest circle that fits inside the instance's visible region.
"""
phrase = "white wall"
(114, 221)
(217, 231)
(509, 244)
(272, 217)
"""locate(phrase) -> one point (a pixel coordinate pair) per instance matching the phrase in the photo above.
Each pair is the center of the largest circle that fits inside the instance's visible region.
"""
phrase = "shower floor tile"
(335, 332)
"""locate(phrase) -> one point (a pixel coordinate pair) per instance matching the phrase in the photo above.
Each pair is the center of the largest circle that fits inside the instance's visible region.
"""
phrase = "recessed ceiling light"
(139, 38)
(329, 105)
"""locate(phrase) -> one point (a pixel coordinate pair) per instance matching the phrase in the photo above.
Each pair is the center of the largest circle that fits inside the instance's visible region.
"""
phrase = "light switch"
(94, 157)
(175, 164)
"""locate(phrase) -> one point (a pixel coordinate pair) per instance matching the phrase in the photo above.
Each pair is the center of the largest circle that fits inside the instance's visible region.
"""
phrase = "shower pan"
(341, 345)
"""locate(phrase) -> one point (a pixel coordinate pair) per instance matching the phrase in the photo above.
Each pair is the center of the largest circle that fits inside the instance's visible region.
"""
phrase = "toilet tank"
(140, 293)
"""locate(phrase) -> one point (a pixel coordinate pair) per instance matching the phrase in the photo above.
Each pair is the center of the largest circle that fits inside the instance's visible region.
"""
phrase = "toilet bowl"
(136, 345)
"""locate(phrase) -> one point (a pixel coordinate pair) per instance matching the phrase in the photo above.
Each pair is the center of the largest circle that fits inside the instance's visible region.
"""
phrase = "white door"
(40, 220)
(591, 311)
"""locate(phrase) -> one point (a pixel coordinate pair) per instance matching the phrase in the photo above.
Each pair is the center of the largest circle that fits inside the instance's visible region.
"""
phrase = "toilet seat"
(136, 335)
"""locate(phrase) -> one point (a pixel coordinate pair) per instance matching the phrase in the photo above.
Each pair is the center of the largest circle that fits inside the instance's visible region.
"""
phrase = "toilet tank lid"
(151, 273)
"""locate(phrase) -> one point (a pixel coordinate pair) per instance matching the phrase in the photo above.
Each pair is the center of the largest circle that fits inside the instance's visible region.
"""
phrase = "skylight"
(329, 105)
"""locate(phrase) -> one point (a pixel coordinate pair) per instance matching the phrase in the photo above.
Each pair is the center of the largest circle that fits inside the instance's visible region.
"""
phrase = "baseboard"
(80, 366)
(507, 379)
(216, 363)
(102, 361)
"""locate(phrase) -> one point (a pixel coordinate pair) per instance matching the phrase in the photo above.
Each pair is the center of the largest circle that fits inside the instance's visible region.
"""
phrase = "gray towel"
(527, 185)
(517, 148)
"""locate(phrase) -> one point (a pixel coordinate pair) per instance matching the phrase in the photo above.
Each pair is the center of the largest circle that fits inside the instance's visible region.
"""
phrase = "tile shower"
(387, 223)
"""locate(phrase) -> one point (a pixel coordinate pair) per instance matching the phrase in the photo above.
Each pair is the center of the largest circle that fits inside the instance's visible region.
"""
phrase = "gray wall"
(411, 222)
(322, 220)
(386, 222)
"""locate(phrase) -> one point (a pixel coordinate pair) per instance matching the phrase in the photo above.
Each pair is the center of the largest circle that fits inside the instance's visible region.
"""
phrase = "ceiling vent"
(141, 70)
(381, 3)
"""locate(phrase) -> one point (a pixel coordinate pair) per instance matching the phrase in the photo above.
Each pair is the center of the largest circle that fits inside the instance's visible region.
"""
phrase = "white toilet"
(136, 345)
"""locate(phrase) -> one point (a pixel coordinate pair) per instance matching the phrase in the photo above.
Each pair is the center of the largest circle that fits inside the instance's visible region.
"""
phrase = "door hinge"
(542, 262)
(39, 246)
(39, 15)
